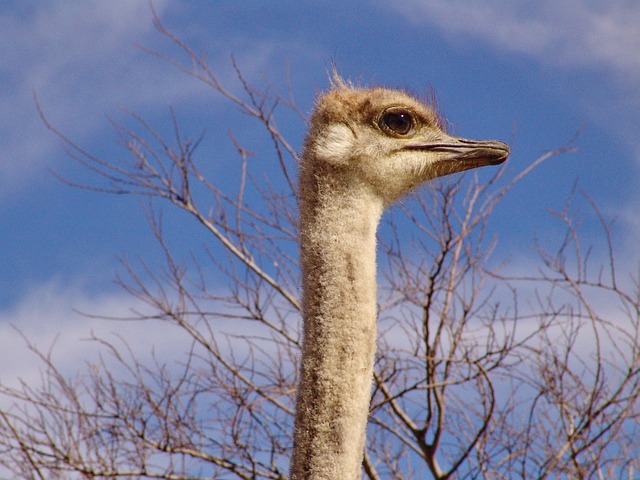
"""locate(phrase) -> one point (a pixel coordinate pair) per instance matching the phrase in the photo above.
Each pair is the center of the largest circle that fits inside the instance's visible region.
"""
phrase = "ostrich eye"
(397, 122)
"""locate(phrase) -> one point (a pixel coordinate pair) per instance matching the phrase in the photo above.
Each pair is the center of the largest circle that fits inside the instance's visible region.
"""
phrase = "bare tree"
(479, 373)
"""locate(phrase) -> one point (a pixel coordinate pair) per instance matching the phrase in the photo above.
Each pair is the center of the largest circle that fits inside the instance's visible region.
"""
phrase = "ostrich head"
(389, 141)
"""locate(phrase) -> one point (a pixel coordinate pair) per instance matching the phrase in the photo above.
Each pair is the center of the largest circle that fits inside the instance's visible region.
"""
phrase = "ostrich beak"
(466, 154)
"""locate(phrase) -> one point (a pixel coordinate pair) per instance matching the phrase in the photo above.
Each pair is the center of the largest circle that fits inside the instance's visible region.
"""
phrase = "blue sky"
(529, 73)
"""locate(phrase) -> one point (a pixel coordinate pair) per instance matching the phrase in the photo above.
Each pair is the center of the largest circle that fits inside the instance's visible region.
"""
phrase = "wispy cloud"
(566, 32)
(51, 50)
(81, 60)
(47, 317)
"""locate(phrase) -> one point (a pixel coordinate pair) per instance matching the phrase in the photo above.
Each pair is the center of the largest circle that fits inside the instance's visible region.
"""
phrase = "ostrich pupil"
(400, 123)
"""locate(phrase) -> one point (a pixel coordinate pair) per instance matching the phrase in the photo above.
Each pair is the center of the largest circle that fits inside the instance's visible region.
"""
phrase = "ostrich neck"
(338, 222)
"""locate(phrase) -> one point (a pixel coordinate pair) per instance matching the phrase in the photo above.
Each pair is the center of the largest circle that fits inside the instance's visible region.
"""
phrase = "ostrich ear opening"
(335, 144)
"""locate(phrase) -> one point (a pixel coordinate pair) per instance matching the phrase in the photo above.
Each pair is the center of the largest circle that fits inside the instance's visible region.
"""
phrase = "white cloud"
(47, 316)
(48, 51)
(565, 32)
(81, 60)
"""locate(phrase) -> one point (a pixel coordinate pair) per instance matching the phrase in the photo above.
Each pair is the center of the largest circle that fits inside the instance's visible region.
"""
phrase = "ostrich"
(364, 150)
